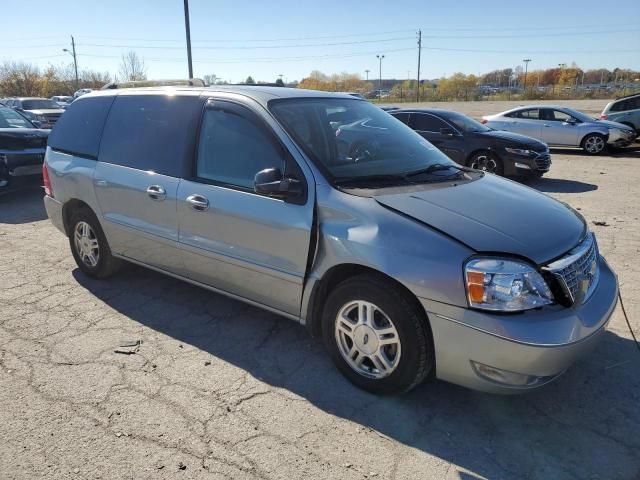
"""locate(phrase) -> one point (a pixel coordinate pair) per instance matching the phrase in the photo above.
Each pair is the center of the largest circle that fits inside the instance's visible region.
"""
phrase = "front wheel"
(376, 335)
(487, 162)
(594, 144)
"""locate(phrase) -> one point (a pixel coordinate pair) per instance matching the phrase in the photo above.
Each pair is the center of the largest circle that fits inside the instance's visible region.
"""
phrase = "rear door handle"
(546, 125)
(156, 192)
(198, 202)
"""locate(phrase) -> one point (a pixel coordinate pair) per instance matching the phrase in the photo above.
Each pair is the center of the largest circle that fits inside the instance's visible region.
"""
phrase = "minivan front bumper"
(526, 350)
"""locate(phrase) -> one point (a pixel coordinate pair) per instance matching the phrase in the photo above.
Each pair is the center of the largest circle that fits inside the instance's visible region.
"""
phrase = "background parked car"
(625, 110)
(22, 147)
(62, 100)
(563, 126)
(42, 110)
(82, 91)
(468, 142)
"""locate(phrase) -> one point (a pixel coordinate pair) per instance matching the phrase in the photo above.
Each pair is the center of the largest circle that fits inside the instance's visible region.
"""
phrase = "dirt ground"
(218, 389)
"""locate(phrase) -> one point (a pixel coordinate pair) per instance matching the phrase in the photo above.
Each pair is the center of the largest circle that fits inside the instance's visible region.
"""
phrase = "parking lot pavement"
(218, 389)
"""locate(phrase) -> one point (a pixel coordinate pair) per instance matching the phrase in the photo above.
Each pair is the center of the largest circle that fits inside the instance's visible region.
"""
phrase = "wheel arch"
(338, 274)
(481, 150)
(71, 206)
(593, 132)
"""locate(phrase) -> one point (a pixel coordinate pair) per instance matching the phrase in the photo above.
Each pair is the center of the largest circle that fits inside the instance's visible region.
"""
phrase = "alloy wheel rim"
(484, 163)
(594, 144)
(367, 339)
(86, 243)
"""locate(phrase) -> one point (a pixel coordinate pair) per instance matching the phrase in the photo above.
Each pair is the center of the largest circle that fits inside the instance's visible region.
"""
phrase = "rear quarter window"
(79, 130)
(151, 132)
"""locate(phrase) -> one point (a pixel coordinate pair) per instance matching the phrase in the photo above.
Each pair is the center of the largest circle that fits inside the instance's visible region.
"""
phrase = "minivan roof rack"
(191, 82)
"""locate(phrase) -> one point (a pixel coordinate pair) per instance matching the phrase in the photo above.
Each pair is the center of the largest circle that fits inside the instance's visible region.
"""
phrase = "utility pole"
(367, 73)
(419, 54)
(526, 69)
(380, 57)
(188, 31)
(72, 52)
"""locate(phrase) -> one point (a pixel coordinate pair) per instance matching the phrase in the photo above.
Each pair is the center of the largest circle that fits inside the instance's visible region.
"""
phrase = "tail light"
(45, 179)
(604, 117)
(483, 121)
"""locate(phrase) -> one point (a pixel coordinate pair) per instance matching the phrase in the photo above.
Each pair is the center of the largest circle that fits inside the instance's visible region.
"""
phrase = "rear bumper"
(54, 212)
(539, 344)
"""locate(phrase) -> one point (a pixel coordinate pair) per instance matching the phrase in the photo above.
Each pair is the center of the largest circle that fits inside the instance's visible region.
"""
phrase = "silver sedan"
(562, 126)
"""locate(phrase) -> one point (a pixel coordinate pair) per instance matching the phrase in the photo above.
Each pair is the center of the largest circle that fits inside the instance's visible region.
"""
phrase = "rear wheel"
(594, 144)
(376, 335)
(89, 246)
(487, 162)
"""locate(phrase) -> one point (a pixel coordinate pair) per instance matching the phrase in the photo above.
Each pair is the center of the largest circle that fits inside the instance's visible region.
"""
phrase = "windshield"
(354, 139)
(12, 119)
(39, 104)
(579, 115)
(464, 123)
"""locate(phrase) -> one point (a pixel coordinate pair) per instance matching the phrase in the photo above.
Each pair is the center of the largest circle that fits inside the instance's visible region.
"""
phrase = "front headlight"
(520, 151)
(505, 285)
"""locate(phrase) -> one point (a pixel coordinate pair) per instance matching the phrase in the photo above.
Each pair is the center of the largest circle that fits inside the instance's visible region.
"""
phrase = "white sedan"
(562, 126)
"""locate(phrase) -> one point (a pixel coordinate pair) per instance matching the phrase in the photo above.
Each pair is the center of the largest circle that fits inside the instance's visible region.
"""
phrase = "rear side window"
(78, 131)
(151, 132)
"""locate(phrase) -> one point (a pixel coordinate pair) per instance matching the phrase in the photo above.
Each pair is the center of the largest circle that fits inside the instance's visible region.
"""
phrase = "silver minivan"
(327, 210)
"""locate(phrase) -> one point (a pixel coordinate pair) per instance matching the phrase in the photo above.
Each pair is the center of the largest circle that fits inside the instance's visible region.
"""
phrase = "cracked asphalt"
(221, 390)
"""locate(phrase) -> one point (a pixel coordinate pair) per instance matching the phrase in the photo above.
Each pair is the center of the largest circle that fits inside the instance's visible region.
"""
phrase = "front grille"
(543, 162)
(578, 271)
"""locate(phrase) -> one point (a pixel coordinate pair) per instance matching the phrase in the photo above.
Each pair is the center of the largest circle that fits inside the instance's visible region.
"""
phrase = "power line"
(308, 45)
(528, 35)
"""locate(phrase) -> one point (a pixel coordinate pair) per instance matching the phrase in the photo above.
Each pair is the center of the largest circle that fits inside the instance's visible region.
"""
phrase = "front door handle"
(198, 202)
(156, 192)
(546, 125)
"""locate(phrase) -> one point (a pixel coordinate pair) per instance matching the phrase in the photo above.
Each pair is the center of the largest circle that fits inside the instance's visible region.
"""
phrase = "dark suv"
(470, 143)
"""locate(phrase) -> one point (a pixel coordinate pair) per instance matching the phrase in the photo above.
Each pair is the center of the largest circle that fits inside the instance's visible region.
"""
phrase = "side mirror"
(571, 121)
(271, 182)
(37, 123)
(449, 132)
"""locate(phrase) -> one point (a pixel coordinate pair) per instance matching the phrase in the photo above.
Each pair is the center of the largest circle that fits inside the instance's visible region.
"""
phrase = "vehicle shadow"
(22, 205)
(559, 185)
(582, 426)
(632, 151)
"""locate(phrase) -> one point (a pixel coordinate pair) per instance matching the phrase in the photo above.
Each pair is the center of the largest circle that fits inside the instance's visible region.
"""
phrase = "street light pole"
(367, 73)
(526, 69)
(380, 57)
(188, 31)
(72, 52)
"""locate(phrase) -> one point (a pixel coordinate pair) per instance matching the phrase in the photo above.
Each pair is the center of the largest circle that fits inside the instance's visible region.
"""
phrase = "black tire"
(590, 141)
(417, 356)
(106, 264)
(486, 161)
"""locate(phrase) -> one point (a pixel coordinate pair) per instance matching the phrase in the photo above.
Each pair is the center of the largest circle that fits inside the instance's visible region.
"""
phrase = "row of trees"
(18, 79)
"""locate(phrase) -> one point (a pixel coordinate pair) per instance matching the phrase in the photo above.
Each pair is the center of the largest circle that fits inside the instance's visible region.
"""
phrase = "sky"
(265, 39)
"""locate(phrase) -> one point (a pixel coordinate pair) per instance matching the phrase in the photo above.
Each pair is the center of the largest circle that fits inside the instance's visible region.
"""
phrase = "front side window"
(234, 146)
(556, 116)
(426, 123)
(350, 138)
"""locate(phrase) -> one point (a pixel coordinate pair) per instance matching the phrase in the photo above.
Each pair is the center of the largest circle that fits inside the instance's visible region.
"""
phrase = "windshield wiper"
(388, 178)
(436, 167)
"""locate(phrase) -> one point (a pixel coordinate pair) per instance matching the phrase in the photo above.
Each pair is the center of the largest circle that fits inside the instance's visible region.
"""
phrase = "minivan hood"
(494, 215)
(509, 137)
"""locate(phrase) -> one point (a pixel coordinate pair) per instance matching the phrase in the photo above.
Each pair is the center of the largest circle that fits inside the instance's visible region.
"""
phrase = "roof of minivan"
(261, 94)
